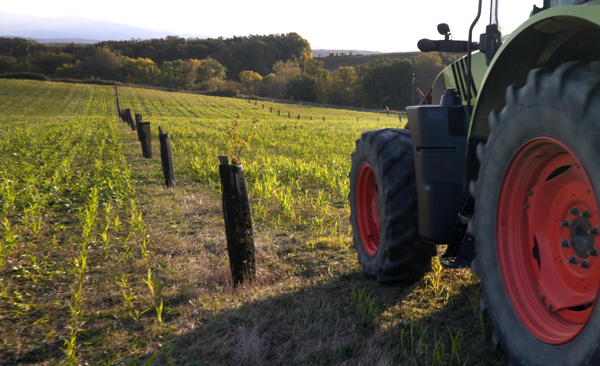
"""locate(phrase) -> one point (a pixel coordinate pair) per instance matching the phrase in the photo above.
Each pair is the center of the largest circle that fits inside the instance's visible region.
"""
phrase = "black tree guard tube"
(118, 106)
(166, 157)
(238, 221)
(138, 120)
(130, 120)
(145, 138)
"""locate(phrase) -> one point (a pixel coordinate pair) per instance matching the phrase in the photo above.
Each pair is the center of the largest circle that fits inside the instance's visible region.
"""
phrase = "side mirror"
(444, 30)
(446, 45)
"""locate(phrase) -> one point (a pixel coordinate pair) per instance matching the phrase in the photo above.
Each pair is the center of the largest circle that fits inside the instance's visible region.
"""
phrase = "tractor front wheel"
(537, 221)
(383, 208)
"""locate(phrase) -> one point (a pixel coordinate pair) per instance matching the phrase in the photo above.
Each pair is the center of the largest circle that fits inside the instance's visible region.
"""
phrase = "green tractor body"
(504, 167)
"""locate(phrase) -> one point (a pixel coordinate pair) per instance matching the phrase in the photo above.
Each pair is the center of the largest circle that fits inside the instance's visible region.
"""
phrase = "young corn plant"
(32, 217)
(104, 233)
(437, 358)
(8, 193)
(88, 216)
(139, 229)
(365, 305)
(155, 288)
(126, 247)
(9, 239)
(238, 144)
(80, 266)
(434, 280)
(423, 341)
(455, 343)
(116, 223)
(105, 239)
(76, 306)
(474, 299)
(128, 294)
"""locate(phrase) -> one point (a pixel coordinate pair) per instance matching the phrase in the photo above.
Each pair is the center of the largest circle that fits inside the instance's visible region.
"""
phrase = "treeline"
(274, 66)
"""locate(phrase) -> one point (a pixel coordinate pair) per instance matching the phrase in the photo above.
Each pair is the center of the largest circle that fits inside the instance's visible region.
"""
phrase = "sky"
(373, 25)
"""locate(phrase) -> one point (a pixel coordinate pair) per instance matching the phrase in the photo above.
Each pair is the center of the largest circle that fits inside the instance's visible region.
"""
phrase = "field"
(101, 264)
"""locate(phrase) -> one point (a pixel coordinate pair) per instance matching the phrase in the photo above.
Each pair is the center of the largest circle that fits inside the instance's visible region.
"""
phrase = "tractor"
(504, 169)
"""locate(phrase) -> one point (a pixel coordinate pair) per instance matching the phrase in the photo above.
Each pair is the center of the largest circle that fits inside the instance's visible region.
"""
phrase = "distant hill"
(332, 63)
(318, 53)
(71, 29)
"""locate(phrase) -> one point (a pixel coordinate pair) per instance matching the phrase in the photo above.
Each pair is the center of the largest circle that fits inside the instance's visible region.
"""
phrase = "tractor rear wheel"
(536, 219)
(383, 208)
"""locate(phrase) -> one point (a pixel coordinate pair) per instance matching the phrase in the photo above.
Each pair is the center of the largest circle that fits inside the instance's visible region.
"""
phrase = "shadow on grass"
(347, 320)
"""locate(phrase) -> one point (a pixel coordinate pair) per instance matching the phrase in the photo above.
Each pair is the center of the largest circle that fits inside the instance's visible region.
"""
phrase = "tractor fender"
(547, 39)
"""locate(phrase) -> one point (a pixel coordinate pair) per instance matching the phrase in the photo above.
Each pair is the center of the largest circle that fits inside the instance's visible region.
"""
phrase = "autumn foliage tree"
(141, 71)
(342, 88)
(251, 81)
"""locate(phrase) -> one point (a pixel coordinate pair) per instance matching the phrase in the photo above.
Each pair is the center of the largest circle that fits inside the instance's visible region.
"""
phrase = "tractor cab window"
(512, 13)
(553, 3)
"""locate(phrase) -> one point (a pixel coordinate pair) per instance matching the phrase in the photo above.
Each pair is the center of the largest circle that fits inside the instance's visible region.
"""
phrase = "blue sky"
(374, 25)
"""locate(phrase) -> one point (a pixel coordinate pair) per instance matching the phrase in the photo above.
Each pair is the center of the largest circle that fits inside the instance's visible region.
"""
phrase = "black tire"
(393, 252)
(557, 113)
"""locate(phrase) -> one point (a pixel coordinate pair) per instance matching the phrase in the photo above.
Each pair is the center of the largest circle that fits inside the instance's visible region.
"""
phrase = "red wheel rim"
(366, 209)
(547, 240)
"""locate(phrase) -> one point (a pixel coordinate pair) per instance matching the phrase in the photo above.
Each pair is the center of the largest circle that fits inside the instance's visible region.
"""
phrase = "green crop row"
(67, 209)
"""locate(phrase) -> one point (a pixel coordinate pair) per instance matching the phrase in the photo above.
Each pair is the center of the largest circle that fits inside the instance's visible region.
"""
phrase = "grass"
(100, 264)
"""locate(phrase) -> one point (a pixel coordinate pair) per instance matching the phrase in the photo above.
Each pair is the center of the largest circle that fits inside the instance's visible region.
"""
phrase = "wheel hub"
(582, 237)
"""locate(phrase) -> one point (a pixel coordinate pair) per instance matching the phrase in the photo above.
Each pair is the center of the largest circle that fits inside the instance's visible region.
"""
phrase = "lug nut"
(593, 231)
(572, 260)
(549, 306)
(565, 243)
(587, 214)
(584, 264)
(566, 223)
(574, 211)
(593, 252)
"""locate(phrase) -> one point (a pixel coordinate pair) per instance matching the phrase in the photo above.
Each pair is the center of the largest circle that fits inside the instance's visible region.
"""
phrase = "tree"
(274, 84)
(8, 64)
(342, 86)
(186, 74)
(426, 67)
(141, 71)
(70, 71)
(250, 80)
(287, 70)
(292, 47)
(270, 86)
(302, 88)
(103, 64)
(47, 62)
(314, 70)
(168, 73)
(387, 83)
(210, 75)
